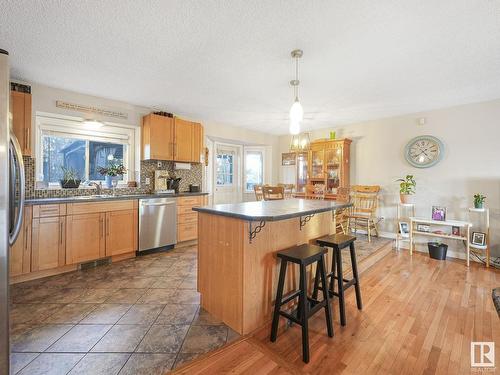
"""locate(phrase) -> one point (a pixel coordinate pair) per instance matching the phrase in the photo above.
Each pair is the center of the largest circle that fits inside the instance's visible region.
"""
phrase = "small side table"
(486, 247)
(465, 237)
(405, 211)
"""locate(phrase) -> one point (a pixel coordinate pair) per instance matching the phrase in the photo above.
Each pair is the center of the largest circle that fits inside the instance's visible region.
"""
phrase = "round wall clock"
(424, 151)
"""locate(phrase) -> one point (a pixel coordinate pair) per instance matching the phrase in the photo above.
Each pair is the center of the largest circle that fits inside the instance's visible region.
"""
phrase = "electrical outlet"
(148, 180)
(159, 165)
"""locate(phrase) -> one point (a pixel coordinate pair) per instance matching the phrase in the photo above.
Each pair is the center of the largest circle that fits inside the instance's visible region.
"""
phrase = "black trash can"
(437, 250)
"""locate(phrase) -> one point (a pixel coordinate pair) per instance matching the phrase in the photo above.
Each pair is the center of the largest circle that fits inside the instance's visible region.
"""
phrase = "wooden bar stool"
(338, 242)
(302, 255)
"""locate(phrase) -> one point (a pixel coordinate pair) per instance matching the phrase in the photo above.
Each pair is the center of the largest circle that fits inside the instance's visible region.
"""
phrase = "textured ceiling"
(228, 61)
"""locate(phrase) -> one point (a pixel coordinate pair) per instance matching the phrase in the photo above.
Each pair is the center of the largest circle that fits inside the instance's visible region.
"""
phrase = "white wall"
(471, 164)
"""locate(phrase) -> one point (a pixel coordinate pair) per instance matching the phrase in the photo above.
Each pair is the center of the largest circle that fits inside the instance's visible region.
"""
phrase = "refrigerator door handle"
(18, 160)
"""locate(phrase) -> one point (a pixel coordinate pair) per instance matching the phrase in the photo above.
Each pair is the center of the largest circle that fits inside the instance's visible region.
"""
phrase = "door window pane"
(59, 153)
(253, 169)
(225, 167)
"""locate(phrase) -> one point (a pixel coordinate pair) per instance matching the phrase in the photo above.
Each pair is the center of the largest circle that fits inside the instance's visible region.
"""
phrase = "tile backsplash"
(192, 176)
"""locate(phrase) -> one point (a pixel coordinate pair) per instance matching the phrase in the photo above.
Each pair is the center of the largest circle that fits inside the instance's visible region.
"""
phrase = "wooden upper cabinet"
(85, 237)
(157, 137)
(121, 232)
(197, 149)
(183, 140)
(20, 252)
(175, 139)
(48, 243)
(20, 103)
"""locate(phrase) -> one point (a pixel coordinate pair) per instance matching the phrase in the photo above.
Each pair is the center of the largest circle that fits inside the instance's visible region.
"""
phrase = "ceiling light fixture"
(300, 142)
(296, 111)
(92, 124)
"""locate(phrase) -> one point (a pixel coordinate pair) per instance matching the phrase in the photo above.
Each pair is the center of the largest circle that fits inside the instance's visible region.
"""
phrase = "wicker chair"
(341, 216)
(362, 213)
(315, 191)
(259, 196)
(272, 193)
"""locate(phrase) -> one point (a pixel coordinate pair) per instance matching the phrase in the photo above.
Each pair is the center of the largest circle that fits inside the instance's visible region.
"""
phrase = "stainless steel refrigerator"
(12, 185)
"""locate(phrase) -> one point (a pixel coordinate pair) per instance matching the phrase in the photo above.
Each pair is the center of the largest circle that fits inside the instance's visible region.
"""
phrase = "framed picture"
(438, 213)
(478, 238)
(404, 227)
(455, 230)
(423, 227)
(288, 158)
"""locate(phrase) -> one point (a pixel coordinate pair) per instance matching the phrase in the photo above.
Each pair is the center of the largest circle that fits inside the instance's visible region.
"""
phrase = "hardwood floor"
(419, 317)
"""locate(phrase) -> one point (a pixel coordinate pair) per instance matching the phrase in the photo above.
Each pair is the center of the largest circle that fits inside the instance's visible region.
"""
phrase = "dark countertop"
(272, 210)
(109, 198)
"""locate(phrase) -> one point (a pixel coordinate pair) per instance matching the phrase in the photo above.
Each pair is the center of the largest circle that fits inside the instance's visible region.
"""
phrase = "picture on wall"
(438, 213)
(478, 238)
(288, 158)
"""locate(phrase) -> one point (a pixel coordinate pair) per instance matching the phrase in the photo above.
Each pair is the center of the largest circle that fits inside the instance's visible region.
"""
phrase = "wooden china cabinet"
(327, 163)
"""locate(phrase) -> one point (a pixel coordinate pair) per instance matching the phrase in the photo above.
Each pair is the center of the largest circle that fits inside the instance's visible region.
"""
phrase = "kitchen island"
(237, 245)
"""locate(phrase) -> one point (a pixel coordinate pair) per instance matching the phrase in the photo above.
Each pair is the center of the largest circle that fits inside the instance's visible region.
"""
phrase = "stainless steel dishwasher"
(157, 223)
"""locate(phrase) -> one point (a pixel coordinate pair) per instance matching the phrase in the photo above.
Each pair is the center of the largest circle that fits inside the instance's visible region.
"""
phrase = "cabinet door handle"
(107, 226)
(101, 222)
(28, 140)
(61, 233)
(26, 238)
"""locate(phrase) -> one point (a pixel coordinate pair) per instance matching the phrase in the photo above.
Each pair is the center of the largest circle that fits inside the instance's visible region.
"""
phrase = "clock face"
(424, 151)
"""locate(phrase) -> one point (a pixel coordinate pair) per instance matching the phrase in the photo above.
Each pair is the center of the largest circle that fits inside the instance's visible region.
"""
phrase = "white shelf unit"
(405, 211)
(482, 248)
(414, 221)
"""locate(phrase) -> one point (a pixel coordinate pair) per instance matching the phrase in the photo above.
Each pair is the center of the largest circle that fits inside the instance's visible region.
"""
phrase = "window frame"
(71, 127)
(248, 150)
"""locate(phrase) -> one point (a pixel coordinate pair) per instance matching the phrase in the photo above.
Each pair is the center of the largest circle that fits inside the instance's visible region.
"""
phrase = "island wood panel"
(238, 280)
(220, 270)
(261, 265)
(121, 232)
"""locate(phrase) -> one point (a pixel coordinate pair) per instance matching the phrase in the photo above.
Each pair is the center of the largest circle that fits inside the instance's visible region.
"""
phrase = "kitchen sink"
(97, 196)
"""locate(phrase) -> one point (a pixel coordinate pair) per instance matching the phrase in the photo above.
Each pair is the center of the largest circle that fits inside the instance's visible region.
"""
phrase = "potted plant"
(406, 188)
(70, 178)
(111, 172)
(479, 200)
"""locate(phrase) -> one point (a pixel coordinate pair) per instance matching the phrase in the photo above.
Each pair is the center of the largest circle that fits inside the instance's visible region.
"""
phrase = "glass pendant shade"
(294, 127)
(300, 143)
(296, 112)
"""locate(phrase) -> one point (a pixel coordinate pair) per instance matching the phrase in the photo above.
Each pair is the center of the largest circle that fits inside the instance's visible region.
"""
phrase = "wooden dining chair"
(315, 191)
(273, 193)
(259, 196)
(341, 215)
(288, 190)
(363, 212)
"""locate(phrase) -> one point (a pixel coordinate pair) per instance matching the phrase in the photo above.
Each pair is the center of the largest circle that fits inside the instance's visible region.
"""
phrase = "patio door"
(227, 173)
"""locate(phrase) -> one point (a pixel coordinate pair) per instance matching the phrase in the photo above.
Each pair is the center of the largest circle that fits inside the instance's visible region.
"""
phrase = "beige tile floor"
(139, 316)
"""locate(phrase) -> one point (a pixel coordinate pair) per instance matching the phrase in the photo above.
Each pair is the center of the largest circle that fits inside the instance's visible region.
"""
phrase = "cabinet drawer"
(186, 232)
(190, 201)
(188, 218)
(185, 210)
(104, 206)
(49, 210)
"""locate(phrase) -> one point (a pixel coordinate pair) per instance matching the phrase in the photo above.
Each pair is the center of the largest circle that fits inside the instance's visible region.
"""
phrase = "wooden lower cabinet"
(20, 252)
(85, 237)
(121, 232)
(187, 232)
(48, 243)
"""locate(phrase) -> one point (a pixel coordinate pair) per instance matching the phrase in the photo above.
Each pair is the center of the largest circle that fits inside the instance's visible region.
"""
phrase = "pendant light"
(296, 111)
(300, 142)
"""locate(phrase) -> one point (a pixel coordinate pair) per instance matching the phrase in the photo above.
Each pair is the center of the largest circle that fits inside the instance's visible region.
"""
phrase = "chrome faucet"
(98, 186)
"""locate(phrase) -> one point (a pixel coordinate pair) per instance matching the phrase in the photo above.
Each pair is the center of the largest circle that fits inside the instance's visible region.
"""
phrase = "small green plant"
(112, 170)
(69, 174)
(407, 185)
(479, 200)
